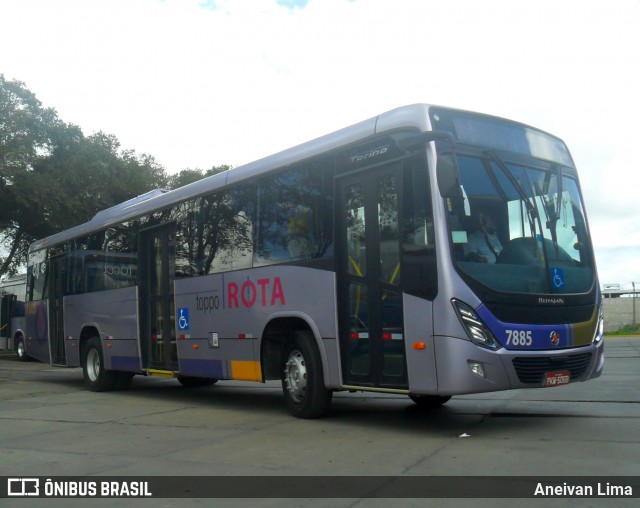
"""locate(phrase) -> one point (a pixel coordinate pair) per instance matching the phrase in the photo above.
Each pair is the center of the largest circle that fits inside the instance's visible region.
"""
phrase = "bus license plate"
(557, 378)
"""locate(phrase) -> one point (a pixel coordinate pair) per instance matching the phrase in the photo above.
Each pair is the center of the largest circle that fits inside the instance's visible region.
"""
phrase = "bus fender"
(19, 332)
(88, 330)
(330, 380)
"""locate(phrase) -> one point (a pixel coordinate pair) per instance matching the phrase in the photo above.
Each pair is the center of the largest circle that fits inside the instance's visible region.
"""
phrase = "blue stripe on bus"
(130, 363)
(517, 336)
(202, 368)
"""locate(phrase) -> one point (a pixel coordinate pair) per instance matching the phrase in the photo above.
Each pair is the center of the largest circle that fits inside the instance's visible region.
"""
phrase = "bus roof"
(411, 117)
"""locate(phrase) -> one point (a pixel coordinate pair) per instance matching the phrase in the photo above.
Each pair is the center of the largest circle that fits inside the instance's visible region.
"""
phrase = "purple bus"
(427, 251)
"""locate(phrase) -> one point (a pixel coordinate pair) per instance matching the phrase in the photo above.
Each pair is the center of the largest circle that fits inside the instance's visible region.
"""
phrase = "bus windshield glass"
(517, 228)
(495, 133)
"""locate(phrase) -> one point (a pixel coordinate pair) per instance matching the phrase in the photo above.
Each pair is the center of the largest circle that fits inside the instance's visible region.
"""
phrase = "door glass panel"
(168, 297)
(157, 299)
(155, 275)
(58, 268)
(359, 340)
(392, 335)
(156, 332)
(171, 257)
(388, 229)
(172, 331)
(355, 221)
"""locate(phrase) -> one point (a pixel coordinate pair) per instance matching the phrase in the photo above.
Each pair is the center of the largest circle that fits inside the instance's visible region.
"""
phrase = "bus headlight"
(477, 331)
(599, 333)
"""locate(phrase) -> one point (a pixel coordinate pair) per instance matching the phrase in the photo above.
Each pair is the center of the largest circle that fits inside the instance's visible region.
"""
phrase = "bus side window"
(290, 211)
(75, 281)
(222, 236)
(119, 257)
(37, 275)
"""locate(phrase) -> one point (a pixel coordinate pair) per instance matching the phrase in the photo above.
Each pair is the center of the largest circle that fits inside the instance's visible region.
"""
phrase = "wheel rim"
(93, 364)
(295, 376)
(20, 348)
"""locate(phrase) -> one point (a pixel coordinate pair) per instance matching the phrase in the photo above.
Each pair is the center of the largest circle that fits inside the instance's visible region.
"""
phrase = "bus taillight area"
(465, 367)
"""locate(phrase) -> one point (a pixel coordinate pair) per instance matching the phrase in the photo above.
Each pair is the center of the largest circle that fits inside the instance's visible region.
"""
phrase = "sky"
(198, 83)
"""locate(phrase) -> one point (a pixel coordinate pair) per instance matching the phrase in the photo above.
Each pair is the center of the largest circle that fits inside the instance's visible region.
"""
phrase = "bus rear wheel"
(302, 378)
(96, 377)
(21, 350)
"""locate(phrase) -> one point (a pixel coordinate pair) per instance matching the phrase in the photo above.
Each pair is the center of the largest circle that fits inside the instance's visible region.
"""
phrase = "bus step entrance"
(161, 373)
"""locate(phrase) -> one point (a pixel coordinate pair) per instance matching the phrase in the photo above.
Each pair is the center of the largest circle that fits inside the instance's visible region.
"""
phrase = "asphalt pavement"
(51, 425)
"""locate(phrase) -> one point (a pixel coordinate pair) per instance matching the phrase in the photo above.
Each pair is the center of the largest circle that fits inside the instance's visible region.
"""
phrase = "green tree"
(187, 176)
(87, 175)
(52, 177)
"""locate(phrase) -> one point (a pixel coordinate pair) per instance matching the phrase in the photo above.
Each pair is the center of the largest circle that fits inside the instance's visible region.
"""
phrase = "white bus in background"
(12, 297)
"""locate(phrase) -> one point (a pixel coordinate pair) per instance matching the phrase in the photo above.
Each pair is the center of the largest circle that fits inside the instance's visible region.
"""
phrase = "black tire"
(96, 377)
(195, 382)
(302, 378)
(430, 401)
(21, 350)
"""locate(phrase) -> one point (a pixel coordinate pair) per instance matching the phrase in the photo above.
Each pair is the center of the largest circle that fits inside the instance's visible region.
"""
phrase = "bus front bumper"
(463, 367)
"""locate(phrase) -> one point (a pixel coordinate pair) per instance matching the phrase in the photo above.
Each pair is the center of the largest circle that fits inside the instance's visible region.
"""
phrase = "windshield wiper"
(532, 211)
(551, 210)
(553, 219)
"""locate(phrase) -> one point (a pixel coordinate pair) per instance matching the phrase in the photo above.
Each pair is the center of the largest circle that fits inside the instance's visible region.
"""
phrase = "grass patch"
(627, 330)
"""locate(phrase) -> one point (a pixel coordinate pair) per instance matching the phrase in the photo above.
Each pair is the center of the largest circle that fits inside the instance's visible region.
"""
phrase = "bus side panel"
(234, 308)
(37, 325)
(114, 314)
(230, 359)
(418, 327)
(333, 372)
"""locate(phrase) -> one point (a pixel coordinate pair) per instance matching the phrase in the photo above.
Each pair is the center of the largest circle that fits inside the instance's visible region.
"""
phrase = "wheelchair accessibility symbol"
(183, 318)
(557, 278)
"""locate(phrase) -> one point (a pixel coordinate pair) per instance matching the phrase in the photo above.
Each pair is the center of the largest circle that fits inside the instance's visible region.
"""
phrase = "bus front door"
(157, 313)
(371, 329)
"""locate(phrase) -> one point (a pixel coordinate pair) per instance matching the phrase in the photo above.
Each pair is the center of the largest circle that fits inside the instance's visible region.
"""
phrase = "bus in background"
(426, 251)
(12, 297)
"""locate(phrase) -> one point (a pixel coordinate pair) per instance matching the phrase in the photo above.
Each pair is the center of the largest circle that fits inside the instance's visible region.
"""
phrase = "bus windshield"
(520, 228)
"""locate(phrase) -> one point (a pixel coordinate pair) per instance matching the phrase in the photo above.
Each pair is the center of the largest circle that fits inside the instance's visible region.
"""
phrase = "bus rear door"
(58, 267)
(157, 312)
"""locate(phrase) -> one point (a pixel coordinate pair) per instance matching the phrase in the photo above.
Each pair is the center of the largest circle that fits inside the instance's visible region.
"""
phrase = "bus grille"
(531, 370)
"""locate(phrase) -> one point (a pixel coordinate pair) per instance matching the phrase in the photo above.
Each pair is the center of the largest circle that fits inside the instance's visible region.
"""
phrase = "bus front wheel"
(96, 377)
(302, 378)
